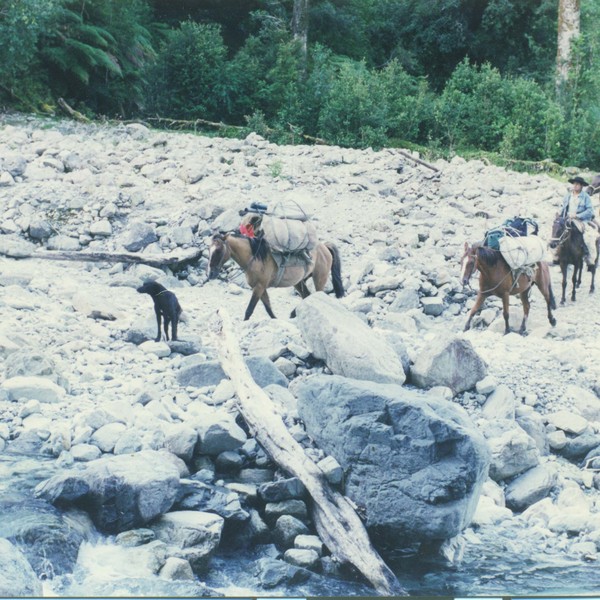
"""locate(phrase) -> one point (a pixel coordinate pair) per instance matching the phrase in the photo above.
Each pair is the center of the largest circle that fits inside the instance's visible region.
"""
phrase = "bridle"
(472, 253)
(560, 240)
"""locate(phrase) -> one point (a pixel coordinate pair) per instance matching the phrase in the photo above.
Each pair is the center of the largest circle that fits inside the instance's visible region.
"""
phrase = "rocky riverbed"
(119, 447)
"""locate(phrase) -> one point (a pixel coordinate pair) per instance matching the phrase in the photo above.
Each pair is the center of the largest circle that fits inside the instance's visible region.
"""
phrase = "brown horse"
(571, 250)
(496, 279)
(254, 256)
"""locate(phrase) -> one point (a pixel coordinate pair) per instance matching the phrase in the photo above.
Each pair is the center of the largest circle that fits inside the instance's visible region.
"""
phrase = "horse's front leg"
(477, 306)
(256, 295)
(563, 268)
(526, 304)
(267, 302)
(304, 292)
(505, 301)
(574, 280)
(593, 271)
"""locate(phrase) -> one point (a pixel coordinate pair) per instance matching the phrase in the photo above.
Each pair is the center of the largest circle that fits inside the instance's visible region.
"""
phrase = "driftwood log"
(175, 261)
(338, 525)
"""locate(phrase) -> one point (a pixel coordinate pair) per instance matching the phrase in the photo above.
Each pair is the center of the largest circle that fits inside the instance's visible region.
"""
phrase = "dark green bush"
(187, 81)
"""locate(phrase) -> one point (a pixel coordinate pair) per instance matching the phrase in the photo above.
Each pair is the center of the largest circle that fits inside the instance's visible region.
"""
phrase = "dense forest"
(444, 76)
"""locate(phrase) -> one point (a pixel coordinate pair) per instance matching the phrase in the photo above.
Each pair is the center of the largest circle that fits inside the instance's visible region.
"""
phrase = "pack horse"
(262, 271)
(496, 278)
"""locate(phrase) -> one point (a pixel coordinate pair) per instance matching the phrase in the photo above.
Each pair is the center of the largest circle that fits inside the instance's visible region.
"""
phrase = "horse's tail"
(336, 270)
(546, 274)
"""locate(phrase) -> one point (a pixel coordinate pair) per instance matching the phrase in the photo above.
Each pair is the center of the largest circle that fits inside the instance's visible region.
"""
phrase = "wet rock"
(49, 539)
(17, 578)
(176, 569)
(302, 557)
(283, 489)
(201, 496)
(385, 438)
(530, 487)
(295, 508)
(119, 492)
(272, 573)
(287, 528)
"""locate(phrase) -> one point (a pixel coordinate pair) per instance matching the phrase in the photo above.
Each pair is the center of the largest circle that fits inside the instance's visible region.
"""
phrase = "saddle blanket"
(289, 235)
(522, 251)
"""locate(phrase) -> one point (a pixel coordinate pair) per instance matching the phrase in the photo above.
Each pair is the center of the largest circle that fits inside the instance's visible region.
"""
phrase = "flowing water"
(511, 560)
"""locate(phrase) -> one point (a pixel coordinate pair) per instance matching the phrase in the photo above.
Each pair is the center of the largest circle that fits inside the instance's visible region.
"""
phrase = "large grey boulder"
(452, 363)
(138, 236)
(530, 487)
(210, 372)
(346, 343)
(513, 450)
(119, 492)
(17, 578)
(15, 247)
(416, 464)
(33, 388)
(196, 495)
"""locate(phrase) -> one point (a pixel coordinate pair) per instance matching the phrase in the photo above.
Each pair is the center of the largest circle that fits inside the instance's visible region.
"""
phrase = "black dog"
(165, 304)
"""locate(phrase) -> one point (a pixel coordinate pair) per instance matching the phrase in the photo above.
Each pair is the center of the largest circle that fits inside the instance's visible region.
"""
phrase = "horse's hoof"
(523, 332)
(552, 322)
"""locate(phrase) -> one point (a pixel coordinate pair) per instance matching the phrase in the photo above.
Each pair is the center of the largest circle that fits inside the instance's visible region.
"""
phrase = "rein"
(560, 240)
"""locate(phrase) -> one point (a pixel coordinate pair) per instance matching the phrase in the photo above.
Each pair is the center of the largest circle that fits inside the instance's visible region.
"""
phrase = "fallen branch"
(417, 160)
(190, 124)
(337, 523)
(175, 261)
(74, 114)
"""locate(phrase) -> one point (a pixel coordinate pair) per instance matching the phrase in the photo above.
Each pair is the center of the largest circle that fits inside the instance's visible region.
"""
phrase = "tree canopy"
(448, 75)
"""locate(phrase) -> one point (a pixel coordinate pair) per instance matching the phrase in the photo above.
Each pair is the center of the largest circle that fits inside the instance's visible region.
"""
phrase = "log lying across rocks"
(337, 523)
(175, 261)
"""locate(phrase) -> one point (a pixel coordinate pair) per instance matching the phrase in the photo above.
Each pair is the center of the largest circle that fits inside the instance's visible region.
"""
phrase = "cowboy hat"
(580, 180)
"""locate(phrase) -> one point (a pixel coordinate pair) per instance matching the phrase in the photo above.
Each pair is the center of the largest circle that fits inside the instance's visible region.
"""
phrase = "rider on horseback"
(577, 205)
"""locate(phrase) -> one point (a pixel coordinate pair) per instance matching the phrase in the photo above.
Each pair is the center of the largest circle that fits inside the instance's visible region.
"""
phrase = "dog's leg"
(167, 321)
(157, 311)
(174, 323)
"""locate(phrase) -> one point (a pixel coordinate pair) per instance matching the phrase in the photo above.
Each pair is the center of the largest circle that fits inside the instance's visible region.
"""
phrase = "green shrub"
(474, 107)
(187, 80)
(354, 110)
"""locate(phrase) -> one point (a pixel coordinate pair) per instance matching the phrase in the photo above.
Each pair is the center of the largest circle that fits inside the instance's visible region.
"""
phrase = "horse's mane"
(258, 245)
(489, 256)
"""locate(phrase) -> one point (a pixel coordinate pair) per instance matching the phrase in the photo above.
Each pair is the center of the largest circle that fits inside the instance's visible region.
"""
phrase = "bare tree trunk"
(174, 261)
(569, 15)
(338, 525)
(300, 28)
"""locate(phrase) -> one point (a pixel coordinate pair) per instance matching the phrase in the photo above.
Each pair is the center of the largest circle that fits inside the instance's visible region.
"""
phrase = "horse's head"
(468, 263)
(594, 186)
(559, 228)
(218, 254)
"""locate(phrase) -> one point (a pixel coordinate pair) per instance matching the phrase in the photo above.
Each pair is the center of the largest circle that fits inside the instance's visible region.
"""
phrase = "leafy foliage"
(453, 75)
(187, 79)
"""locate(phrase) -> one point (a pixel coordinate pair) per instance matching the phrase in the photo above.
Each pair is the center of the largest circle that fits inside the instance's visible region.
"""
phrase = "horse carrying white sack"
(520, 252)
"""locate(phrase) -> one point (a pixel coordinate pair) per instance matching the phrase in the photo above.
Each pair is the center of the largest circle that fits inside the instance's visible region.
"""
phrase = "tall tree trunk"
(569, 15)
(300, 27)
